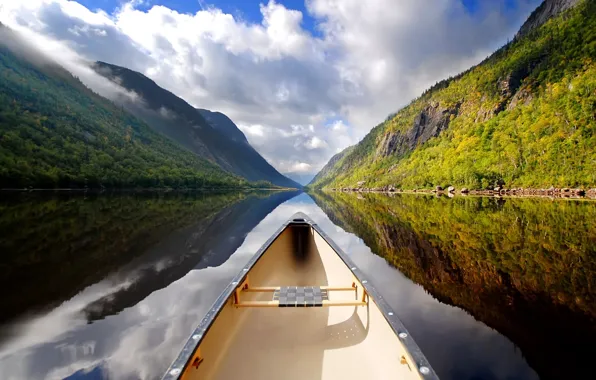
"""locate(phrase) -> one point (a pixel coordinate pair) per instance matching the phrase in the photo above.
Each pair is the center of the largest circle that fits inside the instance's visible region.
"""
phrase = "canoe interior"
(338, 342)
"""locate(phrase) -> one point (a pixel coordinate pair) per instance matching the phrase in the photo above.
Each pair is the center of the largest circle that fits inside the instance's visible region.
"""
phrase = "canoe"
(300, 309)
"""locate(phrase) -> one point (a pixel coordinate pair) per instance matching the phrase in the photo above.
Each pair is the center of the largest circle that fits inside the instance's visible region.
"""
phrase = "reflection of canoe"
(300, 309)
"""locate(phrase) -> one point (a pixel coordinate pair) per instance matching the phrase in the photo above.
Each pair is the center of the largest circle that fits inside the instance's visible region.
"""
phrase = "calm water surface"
(110, 286)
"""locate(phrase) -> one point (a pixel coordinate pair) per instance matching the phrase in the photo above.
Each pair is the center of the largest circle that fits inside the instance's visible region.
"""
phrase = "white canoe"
(300, 309)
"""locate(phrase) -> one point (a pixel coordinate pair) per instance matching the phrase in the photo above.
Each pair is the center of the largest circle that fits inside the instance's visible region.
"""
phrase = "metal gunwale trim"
(396, 324)
(187, 352)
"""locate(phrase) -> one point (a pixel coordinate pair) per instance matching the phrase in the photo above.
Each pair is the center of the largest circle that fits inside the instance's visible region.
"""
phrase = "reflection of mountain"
(525, 267)
(208, 243)
(55, 246)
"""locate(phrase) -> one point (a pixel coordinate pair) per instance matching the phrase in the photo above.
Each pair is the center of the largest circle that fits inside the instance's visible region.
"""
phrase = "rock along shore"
(497, 191)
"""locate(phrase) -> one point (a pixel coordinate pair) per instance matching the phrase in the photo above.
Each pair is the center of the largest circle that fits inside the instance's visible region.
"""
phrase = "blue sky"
(249, 9)
(242, 9)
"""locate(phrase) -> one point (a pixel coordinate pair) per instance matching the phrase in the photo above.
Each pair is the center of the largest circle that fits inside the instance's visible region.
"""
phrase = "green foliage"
(54, 132)
(526, 117)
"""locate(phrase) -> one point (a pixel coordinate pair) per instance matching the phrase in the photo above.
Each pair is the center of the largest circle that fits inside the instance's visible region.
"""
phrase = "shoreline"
(511, 193)
(148, 189)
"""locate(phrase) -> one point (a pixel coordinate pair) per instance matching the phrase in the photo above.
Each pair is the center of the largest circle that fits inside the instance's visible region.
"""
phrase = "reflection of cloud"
(142, 341)
(63, 319)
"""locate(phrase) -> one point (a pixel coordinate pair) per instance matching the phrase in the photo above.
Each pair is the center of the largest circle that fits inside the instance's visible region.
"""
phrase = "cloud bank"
(300, 97)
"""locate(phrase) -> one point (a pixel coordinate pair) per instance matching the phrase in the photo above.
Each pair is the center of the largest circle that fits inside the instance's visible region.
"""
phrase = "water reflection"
(114, 251)
(522, 266)
(129, 320)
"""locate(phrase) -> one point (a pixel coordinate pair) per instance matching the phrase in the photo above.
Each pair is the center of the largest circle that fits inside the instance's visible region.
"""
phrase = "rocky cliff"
(547, 10)
(430, 122)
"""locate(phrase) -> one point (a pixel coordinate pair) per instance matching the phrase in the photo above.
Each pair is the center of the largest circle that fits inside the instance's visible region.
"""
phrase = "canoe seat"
(298, 296)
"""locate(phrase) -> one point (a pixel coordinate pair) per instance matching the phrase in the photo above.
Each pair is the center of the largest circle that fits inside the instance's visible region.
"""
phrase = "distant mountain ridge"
(328, 169)
(211, 135)
(524, 117)
(301, 178)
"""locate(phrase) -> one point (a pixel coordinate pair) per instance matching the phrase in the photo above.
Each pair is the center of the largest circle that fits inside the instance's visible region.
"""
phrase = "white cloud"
(274, 78)
(301, 167)
(252, 131)
(315, 143)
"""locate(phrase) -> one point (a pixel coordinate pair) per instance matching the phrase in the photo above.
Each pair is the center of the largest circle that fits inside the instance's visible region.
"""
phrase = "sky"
(302, 79)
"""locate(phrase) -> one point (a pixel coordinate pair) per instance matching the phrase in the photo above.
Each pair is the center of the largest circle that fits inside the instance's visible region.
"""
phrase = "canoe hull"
(340, 329)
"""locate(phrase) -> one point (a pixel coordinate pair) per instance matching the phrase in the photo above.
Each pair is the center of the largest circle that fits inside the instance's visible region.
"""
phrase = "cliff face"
(547, 10)
(429, 123)
(523, 117)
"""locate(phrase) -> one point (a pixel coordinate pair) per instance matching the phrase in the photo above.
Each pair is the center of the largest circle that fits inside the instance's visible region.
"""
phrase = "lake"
(98, 286)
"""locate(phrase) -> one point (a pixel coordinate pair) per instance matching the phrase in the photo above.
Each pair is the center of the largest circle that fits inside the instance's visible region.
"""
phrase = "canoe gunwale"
(177, 368)
(396, 324)
(179, 365)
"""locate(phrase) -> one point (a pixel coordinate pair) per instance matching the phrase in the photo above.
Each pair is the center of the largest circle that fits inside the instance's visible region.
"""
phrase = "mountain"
(301, 178)
(328, 170)
(224, 124)
(55, 132)
(545, 11)
(523, 117)
(216, 139)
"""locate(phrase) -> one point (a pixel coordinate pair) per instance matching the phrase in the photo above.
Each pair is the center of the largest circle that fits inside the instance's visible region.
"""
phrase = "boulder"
(465, 190)
(438, 188)
(451, 189)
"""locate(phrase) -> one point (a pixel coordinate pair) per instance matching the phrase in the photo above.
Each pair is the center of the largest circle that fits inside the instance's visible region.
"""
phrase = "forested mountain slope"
(331, 169)
(524, 117)
(218, 140)
(54, 132)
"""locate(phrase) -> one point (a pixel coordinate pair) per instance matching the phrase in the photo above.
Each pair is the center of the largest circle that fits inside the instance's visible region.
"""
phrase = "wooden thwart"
(296, 296)
(276, 303)
(264, 289)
